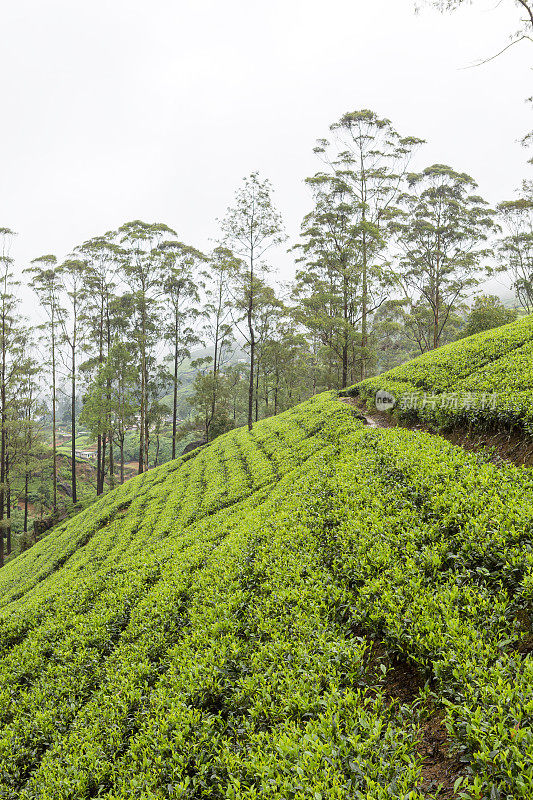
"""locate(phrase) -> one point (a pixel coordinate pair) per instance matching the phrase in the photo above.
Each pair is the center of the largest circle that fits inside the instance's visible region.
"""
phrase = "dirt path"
(498, 446)
(376, 419)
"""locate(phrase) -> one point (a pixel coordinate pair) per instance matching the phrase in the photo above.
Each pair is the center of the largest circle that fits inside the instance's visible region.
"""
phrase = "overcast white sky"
(119, 110)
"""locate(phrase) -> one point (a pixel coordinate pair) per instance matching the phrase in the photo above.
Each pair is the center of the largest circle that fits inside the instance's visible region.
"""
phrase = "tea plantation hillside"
(485, 380)
(294, 612)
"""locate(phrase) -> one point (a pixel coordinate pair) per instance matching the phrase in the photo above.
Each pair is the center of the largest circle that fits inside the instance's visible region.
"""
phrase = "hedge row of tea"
(485, 380)
(209, 629)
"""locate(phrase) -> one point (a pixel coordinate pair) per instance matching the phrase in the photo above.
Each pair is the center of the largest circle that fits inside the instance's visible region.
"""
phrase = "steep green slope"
(226, 626)
(484, 380)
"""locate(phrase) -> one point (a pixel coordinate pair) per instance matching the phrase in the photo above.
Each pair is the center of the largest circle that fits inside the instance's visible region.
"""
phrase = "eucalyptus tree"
(251, 227)
(7, 307)
(515, 249)
(287, 366)
(217, 329)
(269, 313)
(370, 158)
(207, 423)
(111, 403)
(33, 448)
(12, 338)
(141, 244)
(124, 405)
(329, 284)
(73, 275)
(103, 259)
(418, 324)
(392, 335)
(441, 232)
(46, 283)
(315, 310)
(235, 379)
(179, 267)
(22, 446)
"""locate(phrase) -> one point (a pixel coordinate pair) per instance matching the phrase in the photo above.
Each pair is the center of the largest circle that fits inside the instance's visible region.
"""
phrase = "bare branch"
(483, 61)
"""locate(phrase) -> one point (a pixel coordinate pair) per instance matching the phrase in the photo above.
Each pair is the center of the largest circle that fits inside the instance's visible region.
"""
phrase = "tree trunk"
(122, 459)
(3, 444)
(364, 309)
(436, 319)
(252, 346)
(26, 487)
(100, 484)
(145, 370)
(73, 425)
(8, 527)
(175, 398)
(3, 452)
(99, 463)
(54, 422)
(344, 379)
(215, 385)
(141, 449)
(257, 393)
(142, 438)
(146, 445)
(111, 464)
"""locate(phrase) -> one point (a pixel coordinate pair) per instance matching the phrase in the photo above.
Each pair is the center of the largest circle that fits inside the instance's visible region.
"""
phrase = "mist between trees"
(148, 344)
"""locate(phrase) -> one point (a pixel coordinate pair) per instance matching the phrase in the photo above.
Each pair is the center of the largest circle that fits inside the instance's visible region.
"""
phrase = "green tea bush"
(223, 626)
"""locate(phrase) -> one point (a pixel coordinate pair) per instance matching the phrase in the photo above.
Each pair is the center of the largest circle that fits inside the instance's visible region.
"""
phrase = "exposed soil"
(499, 445)
(440, 767)
(402, 685)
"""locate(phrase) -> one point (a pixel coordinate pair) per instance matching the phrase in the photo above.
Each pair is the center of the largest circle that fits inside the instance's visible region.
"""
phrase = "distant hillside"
(310, 610)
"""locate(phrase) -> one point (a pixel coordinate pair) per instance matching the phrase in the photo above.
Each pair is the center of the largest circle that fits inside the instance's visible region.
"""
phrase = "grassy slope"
(204, 630)
(497, 362)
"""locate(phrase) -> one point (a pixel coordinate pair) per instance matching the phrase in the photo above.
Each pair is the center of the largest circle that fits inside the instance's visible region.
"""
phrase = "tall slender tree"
(217, 326)
(10, 344)
(73, 275)
(141, 242)
(46, 283)
(179, 265)
(250, 228)
(111, 402)
(329, 286)
(33, 448)
(516, 247)
(103, 258)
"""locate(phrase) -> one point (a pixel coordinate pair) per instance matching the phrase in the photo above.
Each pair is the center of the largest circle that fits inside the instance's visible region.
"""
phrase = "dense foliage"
(210, 628)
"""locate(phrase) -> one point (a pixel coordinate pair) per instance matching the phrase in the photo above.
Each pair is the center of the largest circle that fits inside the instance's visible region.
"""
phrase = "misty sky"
(112, 111)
